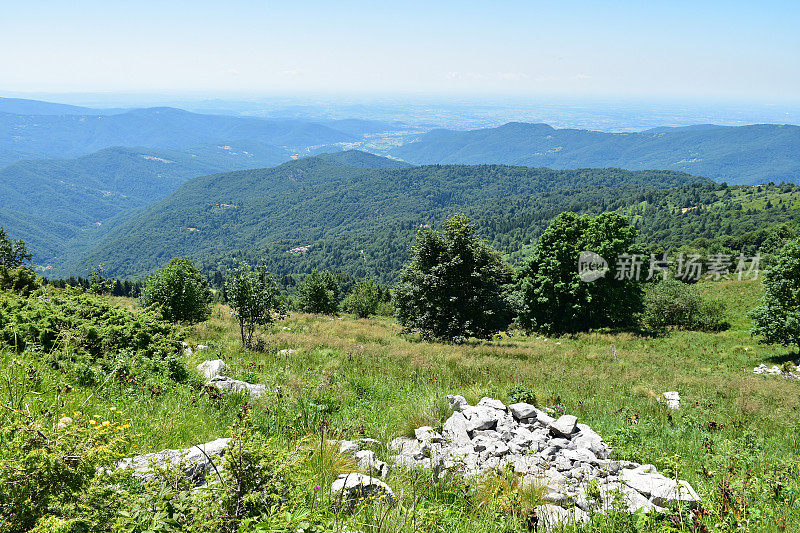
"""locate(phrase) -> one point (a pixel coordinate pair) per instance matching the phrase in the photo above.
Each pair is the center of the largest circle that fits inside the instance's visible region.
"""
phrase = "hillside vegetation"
(318, 213)
(757, 153)
(353, 218)
(730, 439)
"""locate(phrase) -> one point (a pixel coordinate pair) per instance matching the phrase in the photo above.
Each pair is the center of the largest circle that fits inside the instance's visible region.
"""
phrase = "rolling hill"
(758, 153)
(351, 217)
(49, 202)
(68, 135)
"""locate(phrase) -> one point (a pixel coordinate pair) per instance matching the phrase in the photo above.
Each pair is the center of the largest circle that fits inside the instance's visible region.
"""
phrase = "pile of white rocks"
(568, 459)
(778, 371)
(214, 371)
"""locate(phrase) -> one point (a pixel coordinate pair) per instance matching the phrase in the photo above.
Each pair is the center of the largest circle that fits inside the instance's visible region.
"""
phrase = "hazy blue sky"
(743, 50)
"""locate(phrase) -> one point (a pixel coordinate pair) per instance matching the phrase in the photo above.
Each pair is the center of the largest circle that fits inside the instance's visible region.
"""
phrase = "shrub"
(365, 299)
(671, 303)
(179, 291)
(53, 478)
(319, 293)
(551, 296)
(454, 286)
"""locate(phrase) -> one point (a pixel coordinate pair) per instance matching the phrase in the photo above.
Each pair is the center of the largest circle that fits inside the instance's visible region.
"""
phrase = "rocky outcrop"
(569, 459)
(215, 370)
(196, 462)
(226, 384)
(775, 370)
(365, 459)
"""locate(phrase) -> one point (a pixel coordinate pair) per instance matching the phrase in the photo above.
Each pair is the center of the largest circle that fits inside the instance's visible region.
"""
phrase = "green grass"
(735, 437)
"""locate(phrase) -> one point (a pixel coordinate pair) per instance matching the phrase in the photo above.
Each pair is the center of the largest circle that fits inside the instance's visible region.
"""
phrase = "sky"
(718, 50)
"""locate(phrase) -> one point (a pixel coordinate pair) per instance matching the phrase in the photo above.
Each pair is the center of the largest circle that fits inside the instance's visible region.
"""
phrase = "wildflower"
(93, 422)
(112, 408)
(106, 422)
(317, 488)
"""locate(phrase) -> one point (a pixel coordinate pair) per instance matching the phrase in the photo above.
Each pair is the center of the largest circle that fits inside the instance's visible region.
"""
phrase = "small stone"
(225, 383)
(456, 402)
(492, 403)
(63, 422)
(286, 352)
(672, 399)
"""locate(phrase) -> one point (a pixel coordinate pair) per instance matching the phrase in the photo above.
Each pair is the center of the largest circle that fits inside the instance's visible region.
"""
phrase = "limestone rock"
(213, 368)
(672, 399)
(564, 426)
(348, 489)
(227, 384)
(523, 410)
(195, 461)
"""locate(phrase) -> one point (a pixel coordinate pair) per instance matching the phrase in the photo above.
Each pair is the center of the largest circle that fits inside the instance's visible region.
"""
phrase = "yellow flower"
(112, 408)
(106, 423)
(92, 422)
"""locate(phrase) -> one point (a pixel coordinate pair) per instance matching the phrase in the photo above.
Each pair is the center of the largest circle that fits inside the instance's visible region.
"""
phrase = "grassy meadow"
(735, 437)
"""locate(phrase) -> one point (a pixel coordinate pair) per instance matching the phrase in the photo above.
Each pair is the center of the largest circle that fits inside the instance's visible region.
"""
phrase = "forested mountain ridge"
(49, 202)
(349, 217)
(756, 153)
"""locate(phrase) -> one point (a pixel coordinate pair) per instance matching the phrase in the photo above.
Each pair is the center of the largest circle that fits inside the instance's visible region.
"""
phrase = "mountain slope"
(48, 202)
(47, 136)
(23, 106)
(740, 154)
(350, 217)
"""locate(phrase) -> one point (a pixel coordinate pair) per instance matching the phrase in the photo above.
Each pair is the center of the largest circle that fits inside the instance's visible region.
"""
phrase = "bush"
(671, 303)
(365, 299)
(454, 286)
(87, 338)
(52, 478)
(319, 293)
(179, 291)
(551, 296)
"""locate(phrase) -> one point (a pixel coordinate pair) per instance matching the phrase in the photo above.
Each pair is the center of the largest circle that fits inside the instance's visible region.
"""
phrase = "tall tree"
(777, 320)
(550, 294)
(453, 287)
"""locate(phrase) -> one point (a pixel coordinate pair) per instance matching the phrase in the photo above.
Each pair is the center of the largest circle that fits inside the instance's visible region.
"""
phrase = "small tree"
(14, 274)
(253, 296)
(551, 296)
(777, 320)
(454, 286)
(364, 299)
(180, 291)
(319, 293)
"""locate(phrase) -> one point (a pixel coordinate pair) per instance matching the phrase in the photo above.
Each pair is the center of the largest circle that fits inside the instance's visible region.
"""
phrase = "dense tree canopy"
(551, 295)
(778, 319)
(453, 287)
